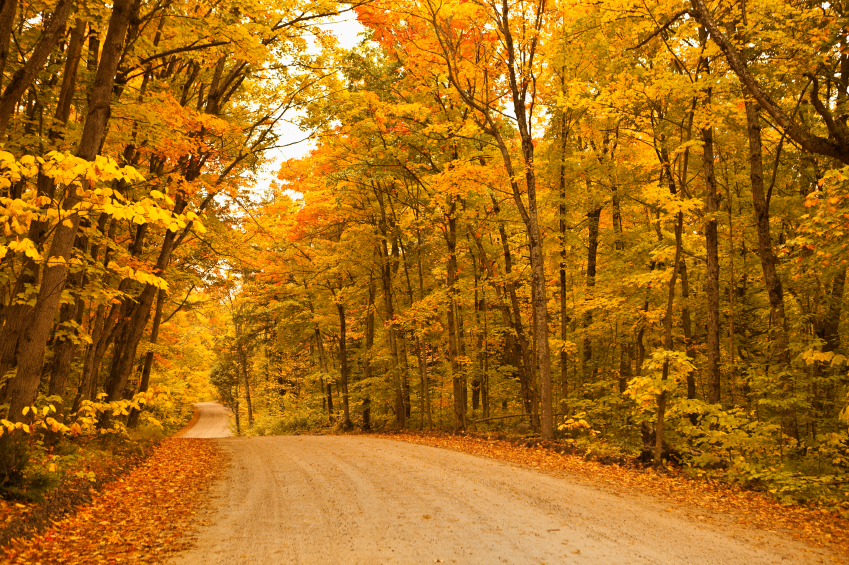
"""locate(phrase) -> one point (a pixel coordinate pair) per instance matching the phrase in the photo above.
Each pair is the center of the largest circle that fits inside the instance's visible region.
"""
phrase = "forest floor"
(140, 516)
(101, 463)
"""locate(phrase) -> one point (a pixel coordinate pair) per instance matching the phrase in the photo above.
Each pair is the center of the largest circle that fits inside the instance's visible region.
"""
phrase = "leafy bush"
(20, 479)
(756, 454)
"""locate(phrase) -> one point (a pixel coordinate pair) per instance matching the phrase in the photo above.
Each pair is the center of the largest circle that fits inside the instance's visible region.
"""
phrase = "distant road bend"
(360, 500)
(214, 421)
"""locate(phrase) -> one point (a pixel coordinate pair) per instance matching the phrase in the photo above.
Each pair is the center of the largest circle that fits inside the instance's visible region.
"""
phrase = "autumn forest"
(620, 224)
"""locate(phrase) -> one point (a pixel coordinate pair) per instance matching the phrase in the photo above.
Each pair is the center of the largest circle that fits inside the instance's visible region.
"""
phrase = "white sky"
(346, 28)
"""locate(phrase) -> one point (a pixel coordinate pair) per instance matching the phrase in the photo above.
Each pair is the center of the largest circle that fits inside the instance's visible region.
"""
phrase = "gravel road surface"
(345, 500)
(213, 422)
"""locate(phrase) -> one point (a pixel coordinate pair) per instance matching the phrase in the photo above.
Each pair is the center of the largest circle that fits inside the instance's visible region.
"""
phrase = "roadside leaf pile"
(84, 473)
(141, 518)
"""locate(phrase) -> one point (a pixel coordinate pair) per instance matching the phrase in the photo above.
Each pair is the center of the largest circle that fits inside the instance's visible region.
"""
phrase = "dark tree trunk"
(322, 360)
(69, 76)
(64, 346)
(330, 401)
(93, 48)
(125, 349)
(8, 9)
(451, 314)
(243, 364)
(712, 283)
(512, 348)
(526, 367)
(594, 218)
(687, 327)
(386, 278)
(561, 224)
(405, 374)
(343, 367)
(529, 213)
(420, 345)
(23, 389)
(18, 315)
(774, 289)
(25, 76)
(369, 344)
(148, 358)
(827, 327)
(667, 344)
(625, 372)
(626, 350)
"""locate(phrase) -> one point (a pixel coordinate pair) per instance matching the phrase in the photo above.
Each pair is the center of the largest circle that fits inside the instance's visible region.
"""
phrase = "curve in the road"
(213, 421)
(361, 500)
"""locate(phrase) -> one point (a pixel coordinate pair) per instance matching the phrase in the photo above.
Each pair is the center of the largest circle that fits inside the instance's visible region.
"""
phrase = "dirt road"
(213, 422)
(346, 500)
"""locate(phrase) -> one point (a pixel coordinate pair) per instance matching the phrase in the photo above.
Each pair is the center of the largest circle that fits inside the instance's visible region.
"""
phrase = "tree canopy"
(622, 223)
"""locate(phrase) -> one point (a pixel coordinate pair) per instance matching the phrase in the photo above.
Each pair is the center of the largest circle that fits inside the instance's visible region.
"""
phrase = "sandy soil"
(346, 500)
(213, 421)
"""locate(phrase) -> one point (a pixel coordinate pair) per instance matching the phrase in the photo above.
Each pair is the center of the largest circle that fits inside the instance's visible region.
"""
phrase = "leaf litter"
(144, 517)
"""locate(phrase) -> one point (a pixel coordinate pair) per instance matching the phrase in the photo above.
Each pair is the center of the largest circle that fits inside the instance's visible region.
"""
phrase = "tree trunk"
(93, 357)
(451, 314)
(516, 353)
(667, 344)
(8, 8)
(330, 401)
(23, 388)
(343, 368)
(64, 347)
(594, 218)
(386, 278)
(561, 225)
(712, 283)
(125, 349)
(17, 318)
(405, 374)
(516, 65)
(687, 327)
(322, 360)
(827, 327)
(480, 348)
(485, 374)
(526, 375)
(369, 344)
(243, 364)
(626, 350)
(774, 289)
(45, 187)
(25, 76)
(420, 345)
(148, 358)
(625, 372)
(529, 217)
(69, 75)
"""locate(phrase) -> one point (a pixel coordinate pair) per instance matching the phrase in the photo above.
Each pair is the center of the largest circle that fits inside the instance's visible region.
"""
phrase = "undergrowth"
(37, 458)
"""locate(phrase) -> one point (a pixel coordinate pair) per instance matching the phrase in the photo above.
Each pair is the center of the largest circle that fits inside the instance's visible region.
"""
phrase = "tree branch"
(803, 137)
(662, 28)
